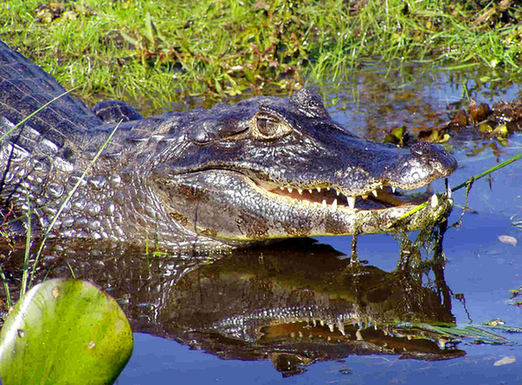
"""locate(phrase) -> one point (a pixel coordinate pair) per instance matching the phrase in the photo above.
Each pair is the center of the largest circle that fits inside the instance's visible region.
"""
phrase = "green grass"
(169, 49)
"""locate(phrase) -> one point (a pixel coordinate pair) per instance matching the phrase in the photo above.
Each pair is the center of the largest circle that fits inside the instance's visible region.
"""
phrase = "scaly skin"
(265, 168)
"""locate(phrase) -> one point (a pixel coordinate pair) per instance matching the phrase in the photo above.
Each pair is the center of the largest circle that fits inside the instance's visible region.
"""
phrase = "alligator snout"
(424, 163)
(435, 157)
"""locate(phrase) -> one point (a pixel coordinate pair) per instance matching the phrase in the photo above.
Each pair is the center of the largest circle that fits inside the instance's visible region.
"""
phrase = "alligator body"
(265, 168)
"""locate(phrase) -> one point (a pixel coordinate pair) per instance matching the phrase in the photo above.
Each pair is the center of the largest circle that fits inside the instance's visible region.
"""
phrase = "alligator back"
(48, 145)
(25, 87)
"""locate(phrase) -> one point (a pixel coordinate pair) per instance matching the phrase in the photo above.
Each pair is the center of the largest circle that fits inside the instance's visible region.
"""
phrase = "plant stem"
(465, 183)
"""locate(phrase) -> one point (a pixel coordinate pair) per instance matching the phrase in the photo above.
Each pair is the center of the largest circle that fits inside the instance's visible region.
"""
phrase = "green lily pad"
(64, 332)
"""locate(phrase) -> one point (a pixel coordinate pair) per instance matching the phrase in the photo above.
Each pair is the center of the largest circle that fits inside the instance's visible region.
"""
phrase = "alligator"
(265, 168)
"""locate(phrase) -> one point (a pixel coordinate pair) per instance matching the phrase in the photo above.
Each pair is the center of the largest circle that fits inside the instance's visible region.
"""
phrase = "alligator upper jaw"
(382, 197)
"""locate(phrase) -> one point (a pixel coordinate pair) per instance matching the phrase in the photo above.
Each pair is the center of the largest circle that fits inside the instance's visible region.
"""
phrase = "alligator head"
(265, 168)
(272, 167)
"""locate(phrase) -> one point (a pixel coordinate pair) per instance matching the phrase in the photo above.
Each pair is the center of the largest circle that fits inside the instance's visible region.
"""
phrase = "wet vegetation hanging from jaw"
(168, 49)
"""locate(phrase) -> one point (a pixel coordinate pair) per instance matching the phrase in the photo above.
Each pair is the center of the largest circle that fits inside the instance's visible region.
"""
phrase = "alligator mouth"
(383, 197)
(243, 208)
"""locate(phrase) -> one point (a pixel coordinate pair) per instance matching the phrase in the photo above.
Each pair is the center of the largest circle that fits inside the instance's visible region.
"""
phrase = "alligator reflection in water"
(294, 303)
(296, 307)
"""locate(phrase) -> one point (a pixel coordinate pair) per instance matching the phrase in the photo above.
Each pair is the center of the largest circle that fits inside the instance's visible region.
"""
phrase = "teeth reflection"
(324, 203)
(334, 205)
(351, 202)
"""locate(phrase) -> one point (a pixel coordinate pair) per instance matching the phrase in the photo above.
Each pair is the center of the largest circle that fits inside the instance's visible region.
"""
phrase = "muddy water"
(300, 312)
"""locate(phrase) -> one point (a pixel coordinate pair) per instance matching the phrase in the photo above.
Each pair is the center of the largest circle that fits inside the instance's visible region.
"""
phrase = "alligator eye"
(269, 128)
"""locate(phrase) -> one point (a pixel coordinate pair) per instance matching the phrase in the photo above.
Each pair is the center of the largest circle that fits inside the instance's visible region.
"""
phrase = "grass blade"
(35, 112)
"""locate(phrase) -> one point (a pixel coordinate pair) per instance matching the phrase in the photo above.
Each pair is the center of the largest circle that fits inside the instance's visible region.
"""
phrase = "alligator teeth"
(331, 327)
(324, 203)
(337, 192)
(282, 188)
(321, 322)
(300, 191)
(334, 205)
(289, 189)
(434, 201)
(328, 188)
(310, 190)
(364, 196)
(318, 189)
(314, 322)
(393, 189)
(351, 202)
(374, 192)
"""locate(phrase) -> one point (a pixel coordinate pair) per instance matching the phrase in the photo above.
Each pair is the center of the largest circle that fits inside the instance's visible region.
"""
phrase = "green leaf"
(64, 332)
